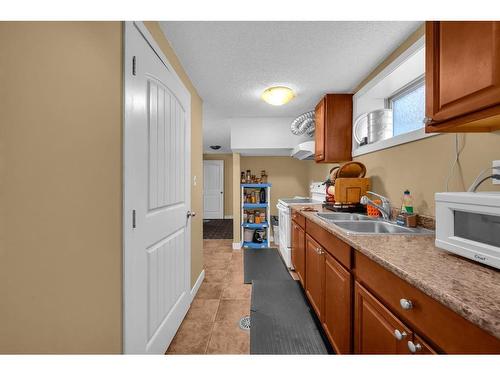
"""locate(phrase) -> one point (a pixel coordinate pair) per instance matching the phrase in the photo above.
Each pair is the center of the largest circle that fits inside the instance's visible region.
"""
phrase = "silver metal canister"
(379, 125)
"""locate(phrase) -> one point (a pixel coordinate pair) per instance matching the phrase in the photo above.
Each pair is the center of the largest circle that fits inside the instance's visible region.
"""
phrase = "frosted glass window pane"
(409, 111)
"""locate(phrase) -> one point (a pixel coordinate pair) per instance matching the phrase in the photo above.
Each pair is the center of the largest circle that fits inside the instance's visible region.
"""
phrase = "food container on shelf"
(248, 234)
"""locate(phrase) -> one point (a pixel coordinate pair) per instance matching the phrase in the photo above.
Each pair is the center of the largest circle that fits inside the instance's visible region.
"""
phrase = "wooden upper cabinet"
(462, 76)
(319, 131)
(338, 305)
(333, 132)
(298, 251)
(315, 268)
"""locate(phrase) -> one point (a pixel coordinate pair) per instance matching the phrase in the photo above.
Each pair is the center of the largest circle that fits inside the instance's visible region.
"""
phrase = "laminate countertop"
(470, 289)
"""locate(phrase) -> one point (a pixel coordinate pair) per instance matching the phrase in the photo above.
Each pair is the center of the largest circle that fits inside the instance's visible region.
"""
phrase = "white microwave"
(468, 224)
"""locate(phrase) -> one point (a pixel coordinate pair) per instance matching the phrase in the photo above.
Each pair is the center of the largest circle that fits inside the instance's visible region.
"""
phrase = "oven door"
(285, 232)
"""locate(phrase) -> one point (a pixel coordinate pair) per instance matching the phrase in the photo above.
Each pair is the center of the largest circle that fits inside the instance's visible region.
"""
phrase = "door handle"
(190, 214)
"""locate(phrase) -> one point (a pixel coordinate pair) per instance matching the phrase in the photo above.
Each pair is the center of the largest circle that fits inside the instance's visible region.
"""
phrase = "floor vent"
(245, 323)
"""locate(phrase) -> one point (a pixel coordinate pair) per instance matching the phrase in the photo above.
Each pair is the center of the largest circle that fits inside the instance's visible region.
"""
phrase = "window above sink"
(399, 87)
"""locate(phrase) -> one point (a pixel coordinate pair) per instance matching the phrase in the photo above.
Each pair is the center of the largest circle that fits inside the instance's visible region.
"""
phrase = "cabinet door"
(337, 305)
(298, 251)
(315, 268)
(462, 68)
(376, 329)
(419, 346)
(319, 132)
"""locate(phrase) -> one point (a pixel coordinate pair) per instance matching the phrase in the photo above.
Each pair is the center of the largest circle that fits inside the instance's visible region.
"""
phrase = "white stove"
(318, 194)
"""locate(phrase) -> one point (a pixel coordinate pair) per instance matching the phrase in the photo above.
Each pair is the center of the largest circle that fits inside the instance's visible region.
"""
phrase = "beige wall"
(196, 151)
(228, 179)
(60, 187)
(288, 176)
(423, 166)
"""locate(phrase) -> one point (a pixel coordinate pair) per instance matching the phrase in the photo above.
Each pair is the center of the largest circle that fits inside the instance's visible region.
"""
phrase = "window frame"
(402, 92)
(366, 94)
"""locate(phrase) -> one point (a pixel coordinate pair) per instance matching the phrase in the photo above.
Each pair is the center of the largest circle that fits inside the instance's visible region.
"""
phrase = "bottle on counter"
(407, 205)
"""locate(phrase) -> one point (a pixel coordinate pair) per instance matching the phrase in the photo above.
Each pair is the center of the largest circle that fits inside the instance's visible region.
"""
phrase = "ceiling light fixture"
(278, 95)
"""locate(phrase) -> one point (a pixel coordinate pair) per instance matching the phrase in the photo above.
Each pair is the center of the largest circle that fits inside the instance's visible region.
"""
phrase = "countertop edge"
(443, 298)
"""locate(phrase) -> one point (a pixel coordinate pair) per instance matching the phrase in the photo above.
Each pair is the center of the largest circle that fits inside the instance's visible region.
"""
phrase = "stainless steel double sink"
(362, 224)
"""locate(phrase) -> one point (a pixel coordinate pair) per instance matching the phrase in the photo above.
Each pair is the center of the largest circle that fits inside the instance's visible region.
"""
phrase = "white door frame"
(128, 217)
(221, 163)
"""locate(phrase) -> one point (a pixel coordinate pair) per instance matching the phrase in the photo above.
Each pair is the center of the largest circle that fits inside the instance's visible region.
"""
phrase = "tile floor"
(211, 325)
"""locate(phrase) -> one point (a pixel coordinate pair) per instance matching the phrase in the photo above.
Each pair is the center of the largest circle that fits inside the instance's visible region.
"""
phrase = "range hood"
(304, 151)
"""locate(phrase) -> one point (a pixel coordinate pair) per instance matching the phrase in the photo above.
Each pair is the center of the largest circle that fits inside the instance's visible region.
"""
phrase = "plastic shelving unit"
(250, 206)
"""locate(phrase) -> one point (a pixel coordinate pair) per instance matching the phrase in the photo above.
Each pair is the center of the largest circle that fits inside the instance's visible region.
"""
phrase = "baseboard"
(236, 245)
(228, 216)
(197, 284)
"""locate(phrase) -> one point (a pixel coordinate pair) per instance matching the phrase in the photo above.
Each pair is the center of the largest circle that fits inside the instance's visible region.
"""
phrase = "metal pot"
(379, 125)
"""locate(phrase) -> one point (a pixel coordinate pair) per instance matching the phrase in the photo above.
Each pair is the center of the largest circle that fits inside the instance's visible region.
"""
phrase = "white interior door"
(156, 197)
(213, 189)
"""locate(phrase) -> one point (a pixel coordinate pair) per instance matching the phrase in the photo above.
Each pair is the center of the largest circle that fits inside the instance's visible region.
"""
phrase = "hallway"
(217, 229)
(212, 323)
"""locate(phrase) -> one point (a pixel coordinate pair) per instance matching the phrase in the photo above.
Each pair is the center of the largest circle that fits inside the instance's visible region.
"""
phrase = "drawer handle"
(414, 347)
(319, 251)
(406, 304)
(399, 335)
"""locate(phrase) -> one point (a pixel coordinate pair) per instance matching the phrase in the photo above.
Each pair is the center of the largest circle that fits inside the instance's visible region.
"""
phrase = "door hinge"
(133, 66)
(133, 219)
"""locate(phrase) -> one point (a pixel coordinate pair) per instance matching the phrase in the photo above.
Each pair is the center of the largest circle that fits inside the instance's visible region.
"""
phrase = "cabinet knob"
(399, 335)
(414, 347)
(427, 120)
(319, 251)
(406, 304)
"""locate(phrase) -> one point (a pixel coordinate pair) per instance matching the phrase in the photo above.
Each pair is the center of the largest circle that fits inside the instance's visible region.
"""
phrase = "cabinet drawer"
(432, 320)
(335, 247)
(299, 219)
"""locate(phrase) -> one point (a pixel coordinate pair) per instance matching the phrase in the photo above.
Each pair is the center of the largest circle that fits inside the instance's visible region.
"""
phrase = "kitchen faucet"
(385, 208)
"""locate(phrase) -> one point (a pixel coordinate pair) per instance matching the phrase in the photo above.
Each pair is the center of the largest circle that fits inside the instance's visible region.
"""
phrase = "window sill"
(391, 142)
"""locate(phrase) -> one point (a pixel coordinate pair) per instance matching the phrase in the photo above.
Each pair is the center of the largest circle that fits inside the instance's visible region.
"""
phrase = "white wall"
(215, 131)
(263, 136)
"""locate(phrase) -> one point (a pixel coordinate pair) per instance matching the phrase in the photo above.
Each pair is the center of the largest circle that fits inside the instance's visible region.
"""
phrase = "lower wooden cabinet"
(298, 251)
(360, 304)
(378, 331)
(337, 305)
(419, 346)
(315, 268)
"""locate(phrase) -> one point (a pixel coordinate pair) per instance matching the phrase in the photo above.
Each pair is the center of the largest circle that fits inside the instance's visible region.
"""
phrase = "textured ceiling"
(231, 63)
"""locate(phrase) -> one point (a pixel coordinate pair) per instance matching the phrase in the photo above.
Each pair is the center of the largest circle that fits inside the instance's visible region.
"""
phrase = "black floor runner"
(281, 319)
(263, 264)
